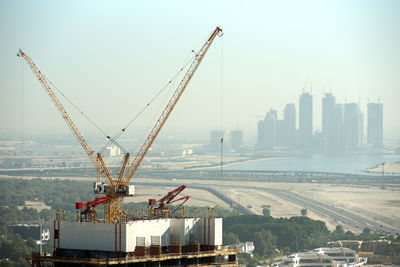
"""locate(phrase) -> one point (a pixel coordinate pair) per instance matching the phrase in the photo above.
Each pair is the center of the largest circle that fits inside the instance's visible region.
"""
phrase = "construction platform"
(223, 257)
(173, 241)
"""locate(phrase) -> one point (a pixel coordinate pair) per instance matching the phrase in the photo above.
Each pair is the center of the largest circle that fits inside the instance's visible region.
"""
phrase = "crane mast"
(170, 106)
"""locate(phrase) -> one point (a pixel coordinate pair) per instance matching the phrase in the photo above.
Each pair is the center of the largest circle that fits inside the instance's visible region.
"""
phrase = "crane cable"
(151, 122)
(187, 61)
(222, 103)
(22, 116)
(113, 140)
(173, 79)
(85, 116)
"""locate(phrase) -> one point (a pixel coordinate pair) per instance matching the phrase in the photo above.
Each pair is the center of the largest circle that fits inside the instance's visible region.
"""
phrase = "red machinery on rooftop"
(88, 212)
(163, 210)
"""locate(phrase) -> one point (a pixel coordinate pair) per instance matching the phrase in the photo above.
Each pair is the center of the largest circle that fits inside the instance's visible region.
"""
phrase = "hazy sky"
(111, 57)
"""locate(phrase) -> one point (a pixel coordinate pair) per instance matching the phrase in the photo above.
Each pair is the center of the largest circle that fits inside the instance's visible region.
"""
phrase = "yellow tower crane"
(116, 189)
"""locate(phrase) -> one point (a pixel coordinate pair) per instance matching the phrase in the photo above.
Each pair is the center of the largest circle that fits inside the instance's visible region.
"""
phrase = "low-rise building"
(324, 257)
(352, 244)
(340, 254)
(308, 259)
(247, 247)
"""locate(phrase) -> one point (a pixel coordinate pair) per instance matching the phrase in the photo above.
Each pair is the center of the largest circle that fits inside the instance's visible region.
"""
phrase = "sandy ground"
(390, 168)
(278, 207)
(197, 197)
(373, 202)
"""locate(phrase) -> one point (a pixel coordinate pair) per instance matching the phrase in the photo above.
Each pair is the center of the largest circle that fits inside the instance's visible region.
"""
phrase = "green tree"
(247, 260)
(339, 230)
(231, 239)
(252, 263)
(366, 231)
(264, 242)
(350, 235)
(303, 212)
(14, 249)
(47, 214)
(31, 243)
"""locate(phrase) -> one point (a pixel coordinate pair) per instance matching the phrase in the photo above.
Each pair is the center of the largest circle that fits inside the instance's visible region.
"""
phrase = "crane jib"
(117, 188)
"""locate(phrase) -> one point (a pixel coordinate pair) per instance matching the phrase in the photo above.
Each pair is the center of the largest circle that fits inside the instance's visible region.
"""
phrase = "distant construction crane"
(115, 189)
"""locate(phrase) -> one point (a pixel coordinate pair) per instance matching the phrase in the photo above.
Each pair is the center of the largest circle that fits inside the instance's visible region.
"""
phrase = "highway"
(340, 215)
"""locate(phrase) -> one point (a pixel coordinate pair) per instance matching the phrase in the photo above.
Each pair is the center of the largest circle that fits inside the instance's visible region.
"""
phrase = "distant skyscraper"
(261, 134)
(280, 133)
(352, 121)
(375, 124)
(305, 120)
(289, 122)
(338, 114)
(236, 139)
(266, 130)
(270, 125)
(328, 121)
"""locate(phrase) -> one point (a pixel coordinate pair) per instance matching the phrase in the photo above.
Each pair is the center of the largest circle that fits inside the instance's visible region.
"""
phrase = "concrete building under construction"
(158, 238)
(173, 241)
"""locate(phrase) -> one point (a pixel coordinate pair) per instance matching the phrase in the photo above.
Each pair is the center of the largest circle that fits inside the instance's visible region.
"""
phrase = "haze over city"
(200, 133)
(110, 60)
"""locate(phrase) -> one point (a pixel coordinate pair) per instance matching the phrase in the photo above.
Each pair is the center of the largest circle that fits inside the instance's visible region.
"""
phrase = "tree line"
(270, 235)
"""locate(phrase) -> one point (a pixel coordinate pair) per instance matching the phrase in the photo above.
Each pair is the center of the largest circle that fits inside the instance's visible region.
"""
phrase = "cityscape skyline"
(264, 61)
(342, 126)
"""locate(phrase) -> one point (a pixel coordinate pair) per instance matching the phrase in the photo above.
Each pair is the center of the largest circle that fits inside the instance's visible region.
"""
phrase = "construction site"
(162, 236)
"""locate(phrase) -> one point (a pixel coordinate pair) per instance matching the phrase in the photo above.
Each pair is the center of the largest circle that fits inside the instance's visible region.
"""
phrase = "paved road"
(343, 216)
(339, 215)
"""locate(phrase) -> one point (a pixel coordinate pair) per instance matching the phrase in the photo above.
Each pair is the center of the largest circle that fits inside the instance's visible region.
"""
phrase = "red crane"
(88, 212)
(162, 210)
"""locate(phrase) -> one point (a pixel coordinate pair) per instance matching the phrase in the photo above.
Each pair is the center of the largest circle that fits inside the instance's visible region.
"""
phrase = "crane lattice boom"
(100, 166)
(170, 106)
(118, 188)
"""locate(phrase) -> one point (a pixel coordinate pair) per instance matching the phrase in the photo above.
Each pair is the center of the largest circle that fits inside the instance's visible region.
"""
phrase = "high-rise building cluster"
(273, 132)
(342, 126)
(375, 124)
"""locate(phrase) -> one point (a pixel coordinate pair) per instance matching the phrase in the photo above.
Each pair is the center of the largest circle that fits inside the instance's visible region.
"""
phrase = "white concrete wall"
(177, 229)
(217, 230)
(184, 228)
(211, 231)
(87, 235)
(191, 229)
(146, 229)
(102, 236)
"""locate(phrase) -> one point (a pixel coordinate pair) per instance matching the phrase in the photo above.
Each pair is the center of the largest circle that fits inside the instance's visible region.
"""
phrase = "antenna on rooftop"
(305, 83)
